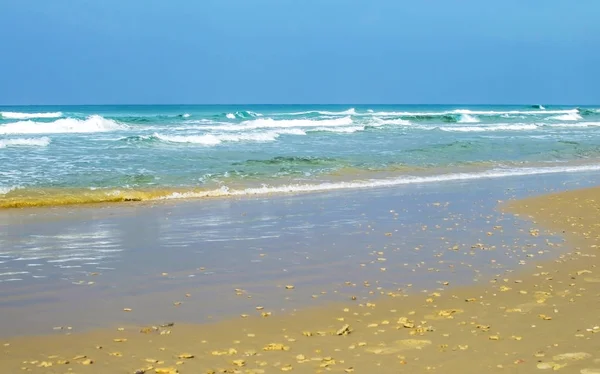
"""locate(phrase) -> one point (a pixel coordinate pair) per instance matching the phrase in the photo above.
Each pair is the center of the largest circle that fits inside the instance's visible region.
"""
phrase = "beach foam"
(403, 180)
(19, 115)
(94, 123)
(26, 142)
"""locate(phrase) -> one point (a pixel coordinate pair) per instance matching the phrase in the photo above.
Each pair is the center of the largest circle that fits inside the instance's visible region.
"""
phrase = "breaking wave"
(567, 117)
(404, 180)
(94, 123)
(269, 123)
(19, 115)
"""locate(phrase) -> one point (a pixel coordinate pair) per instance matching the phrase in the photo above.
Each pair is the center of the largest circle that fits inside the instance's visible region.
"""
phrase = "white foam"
(186, 115)
(567, 117)
(472, 112)
(26, 142)
(230, 116)
(344, 130)
(94, 123)
(396, 121)
(468, 118)
(269, 123)
(215, 139)
(515, 127)
(349, 112)
(18, 115)
(6, 189)
(373, 183)
(574, 125)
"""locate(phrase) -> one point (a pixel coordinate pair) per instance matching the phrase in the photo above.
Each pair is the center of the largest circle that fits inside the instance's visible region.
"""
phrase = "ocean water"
(56, 155)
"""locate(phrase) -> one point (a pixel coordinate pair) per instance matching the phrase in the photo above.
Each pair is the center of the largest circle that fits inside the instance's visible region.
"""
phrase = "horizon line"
(315, 104)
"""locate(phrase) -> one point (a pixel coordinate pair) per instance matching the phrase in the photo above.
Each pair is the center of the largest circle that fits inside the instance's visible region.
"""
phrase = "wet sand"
(540, 313)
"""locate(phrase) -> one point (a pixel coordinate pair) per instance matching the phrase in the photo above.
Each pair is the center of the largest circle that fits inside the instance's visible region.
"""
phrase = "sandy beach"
(539, 313)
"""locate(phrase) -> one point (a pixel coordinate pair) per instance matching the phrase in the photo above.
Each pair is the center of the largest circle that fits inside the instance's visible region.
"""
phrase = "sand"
(541, 318)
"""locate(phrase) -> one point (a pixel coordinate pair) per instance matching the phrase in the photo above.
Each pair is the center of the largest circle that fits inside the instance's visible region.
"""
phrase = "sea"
(60, 155)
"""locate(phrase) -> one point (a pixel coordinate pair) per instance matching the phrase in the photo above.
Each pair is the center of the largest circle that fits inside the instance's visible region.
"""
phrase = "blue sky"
(299, 51)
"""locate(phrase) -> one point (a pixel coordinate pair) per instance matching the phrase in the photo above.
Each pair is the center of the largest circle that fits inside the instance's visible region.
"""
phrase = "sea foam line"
(374, 183)
(19, 115)
(93, 123)
(269, 123)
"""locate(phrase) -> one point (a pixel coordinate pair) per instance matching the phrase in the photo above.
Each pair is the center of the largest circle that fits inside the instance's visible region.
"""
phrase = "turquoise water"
(73, 154)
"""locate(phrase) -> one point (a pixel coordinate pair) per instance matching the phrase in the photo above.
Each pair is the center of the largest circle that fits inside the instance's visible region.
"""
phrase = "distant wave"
(19, 115)
(94, 123)
(511, 127)
(215, 139)
(26, 142)
(269, 123)
(431, 115)
(342, 130)
(348, 112)
(374, 183)
(242, 115)
(506, 127)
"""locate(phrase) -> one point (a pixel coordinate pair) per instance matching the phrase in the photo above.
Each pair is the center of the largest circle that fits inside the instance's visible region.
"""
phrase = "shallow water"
(81, 266)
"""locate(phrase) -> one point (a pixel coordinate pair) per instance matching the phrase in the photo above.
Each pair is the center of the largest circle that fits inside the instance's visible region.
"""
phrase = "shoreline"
(338, 180)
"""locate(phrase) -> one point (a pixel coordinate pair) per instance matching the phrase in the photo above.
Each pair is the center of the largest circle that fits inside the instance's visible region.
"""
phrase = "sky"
(299, 51)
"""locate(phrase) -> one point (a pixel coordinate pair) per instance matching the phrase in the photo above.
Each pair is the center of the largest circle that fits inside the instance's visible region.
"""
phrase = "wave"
(515, 127)
(30, 198)
(349, 112)
(269, 123)
(512, 127)
(374, 183)
(341, 130)
(451, 113)
(19, 115)
(215, 139)
(94, 123)
(567, 117)
(468, 118)
(242, 115)
(27, 142)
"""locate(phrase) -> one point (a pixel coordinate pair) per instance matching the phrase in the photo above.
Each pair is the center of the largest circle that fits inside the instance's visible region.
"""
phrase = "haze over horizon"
(278, 52)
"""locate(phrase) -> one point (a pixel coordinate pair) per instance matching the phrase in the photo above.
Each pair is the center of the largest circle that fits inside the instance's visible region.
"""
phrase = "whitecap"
(18, 115)
(468, 118)
(270, 123)
(567, 117)
(93, 123)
